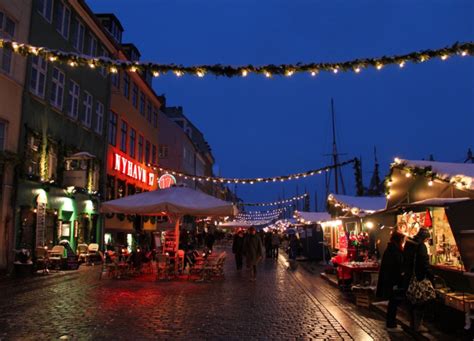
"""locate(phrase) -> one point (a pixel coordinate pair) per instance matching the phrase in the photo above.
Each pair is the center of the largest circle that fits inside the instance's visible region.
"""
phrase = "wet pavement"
(281, 305)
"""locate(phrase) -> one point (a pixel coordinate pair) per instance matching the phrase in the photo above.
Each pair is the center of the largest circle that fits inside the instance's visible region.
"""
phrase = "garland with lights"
(459, 181)
(252, 181)
(355, 65)
(296, 198)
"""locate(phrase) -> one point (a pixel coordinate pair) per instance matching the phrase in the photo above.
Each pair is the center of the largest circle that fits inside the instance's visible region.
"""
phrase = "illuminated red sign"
(166, 181)
(132, 170)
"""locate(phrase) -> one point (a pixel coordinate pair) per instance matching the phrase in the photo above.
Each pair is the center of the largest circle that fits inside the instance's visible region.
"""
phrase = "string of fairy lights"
(274, 203)
(313, 69)
(251, 181)
(461, 182)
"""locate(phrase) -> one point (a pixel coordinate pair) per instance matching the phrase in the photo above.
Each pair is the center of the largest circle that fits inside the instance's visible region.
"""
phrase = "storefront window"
(120, 188)
(110, 193)
(130, 189)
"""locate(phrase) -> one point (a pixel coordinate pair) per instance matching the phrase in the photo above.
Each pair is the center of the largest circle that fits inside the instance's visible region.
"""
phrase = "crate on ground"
(364, 295)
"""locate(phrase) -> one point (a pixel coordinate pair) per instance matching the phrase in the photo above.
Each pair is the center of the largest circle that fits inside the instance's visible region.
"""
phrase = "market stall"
(439, 196)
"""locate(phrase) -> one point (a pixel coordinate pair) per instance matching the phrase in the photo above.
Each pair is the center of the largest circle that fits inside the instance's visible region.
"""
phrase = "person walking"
(238, 247)
(390, 285)
(416, 263)
(252, 251)
(275, 244)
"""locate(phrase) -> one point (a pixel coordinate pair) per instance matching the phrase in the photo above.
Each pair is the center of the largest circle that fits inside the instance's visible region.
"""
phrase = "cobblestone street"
(279, 305)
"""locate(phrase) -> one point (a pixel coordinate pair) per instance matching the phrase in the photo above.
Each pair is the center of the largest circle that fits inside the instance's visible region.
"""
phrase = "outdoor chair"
(93, 253)
(163, 267)
(42, 259)
(56, 256)
(82, 252)
(214, 267)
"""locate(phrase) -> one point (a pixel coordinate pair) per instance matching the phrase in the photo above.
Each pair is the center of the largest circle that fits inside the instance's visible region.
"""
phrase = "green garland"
(356, 65)
(426, 171)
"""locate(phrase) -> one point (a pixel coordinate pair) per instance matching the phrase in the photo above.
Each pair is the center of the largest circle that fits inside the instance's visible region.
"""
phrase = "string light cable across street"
(269, 70)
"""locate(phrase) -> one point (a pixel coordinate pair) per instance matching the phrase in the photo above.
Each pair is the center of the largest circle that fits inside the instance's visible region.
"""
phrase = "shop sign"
(166, 181)
(40, 223)
(132, 170)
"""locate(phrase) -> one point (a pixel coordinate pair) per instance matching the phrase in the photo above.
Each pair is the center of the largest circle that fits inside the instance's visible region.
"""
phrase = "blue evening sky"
(264, 127)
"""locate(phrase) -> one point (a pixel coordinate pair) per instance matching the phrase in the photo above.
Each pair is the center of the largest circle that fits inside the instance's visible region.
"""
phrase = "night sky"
(261, 127)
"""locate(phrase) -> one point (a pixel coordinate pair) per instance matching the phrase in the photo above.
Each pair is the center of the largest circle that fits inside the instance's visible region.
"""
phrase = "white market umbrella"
(174, 202)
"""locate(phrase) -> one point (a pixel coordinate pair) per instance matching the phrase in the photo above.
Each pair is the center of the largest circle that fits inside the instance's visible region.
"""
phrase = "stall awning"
(172, 201)
(364, 204)
(312, 217)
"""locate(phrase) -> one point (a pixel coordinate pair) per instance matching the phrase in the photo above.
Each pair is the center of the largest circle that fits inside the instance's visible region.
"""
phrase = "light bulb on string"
(156, 74)
(444, 57)
(401, 64)
(379, 66)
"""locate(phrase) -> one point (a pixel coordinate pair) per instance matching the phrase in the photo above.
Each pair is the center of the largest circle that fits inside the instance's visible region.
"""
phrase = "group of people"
(272, 244)
(248, 245)
(403, 259)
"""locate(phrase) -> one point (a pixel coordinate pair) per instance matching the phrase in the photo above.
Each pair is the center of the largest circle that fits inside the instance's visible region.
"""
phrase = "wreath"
(121, 216)
(130, 217)
(109, 215)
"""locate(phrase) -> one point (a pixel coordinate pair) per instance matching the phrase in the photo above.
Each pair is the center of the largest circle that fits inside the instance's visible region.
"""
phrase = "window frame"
(123, 136)
(76, 43)
(64, 30)
(112, 131)
(147, 151)
(140, 148)
(73, 98)
(87, 105)
(142, 103)
(153, 154)
(155, 117)
(126, 85)
(99, 123)
(6, 53)
(40, 66)
(135, 95)
(132, 142)
(42, 8)
(57, 88)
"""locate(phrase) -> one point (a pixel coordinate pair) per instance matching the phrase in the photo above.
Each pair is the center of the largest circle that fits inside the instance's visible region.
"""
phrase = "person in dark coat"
(390, 281)
(415, 256)
(253, 251)
(268, 244)
(238, 248)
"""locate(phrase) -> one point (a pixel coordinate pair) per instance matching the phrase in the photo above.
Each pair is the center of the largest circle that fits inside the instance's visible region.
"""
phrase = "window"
(99, 113)
(135, 95)
(147, 152)
(110, 192)
(63, 17)
(133, 137)
(155, 117)
(140, 148)
(142, 103)
(103, 53)
(126, 84)
(123, 133)
(73, 100)
(57, 88)
(116, 79)
(113, 128)
(91, 48)
(153, 154)
(87, 114)
(162, 152)
(45, 8)
(148, 111)
(3, 135)
(38, 76)
(7, 30)
(78, 31)
(32, 155)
